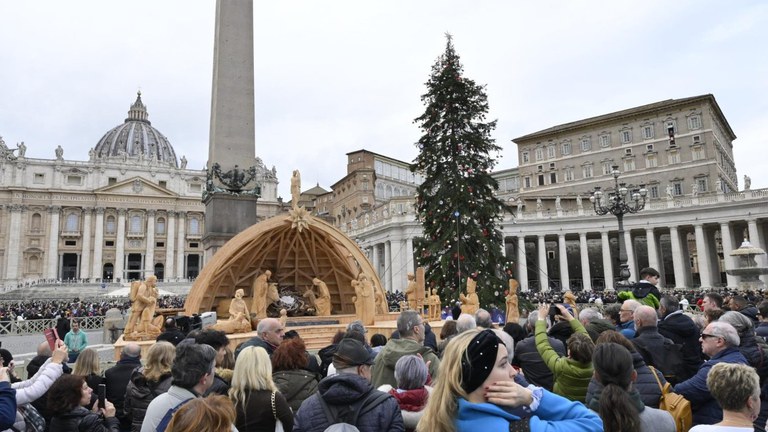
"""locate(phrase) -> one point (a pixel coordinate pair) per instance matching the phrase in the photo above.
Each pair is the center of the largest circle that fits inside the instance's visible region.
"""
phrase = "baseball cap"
(351, 352)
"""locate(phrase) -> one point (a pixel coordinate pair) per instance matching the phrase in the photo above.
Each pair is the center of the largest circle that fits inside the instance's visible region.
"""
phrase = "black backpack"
(347, 422)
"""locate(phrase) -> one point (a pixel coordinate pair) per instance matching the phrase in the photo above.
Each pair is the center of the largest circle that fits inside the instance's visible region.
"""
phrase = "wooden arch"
(294, 255)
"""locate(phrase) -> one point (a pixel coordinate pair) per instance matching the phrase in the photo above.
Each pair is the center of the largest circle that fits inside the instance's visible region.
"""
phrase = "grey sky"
(337, 76)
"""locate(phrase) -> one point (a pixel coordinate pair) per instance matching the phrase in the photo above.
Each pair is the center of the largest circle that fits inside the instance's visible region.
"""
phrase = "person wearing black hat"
(476, 392)
(349, 396)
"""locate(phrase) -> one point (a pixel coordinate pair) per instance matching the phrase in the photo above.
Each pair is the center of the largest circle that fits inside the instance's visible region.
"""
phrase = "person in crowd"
(571, 373)
(465, 322)
(712, 315)
(378, 341)
(348, 392)
(612, 312)
(44, 353)
(711, 300)
(62, 326)
(720, 342)
(476, 392)
(411, 328)
(762, 325)
(171, 333)
(740, 304)
(7, 359)
(269, 332)
(447, 332)
(645, 290)
(618, 402)
(117, 377)
(528, 359)
(146, 382)
(290, 374)
(326, 353)
(483, 319)
(69, 399)
(258, 403)
(736, 388)
(593, 322)
(76, 341)
(657, 350)
(219, 341)
(516, 331)
(645, 384)
(755, 350)
(7, 400)
(88, 366)
(411, 392)
(192, 372)
(675, 325)
(626, 318)
(456, 311)
(214, 413)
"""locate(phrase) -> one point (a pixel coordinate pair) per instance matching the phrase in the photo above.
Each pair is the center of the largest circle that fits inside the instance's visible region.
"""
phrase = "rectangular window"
(587, 171)
(586, 144)
(694, 122)
(70, 243)
(696, 138)
(703, 184)
(195, 187)
(551, 154)
(677, 188)
(552, 178)
(552, 165)
(629, 165)
(111, 181)
(539, 154)
(607, 168)
(651, 161)
(697, 153)
(527, 182)
(647, 132)
(568, 174)
(193, 245)
(541, 179)
(628, 151)
(540, 168)
(526, 157)
(671, 125)
(109, 243)
(674, 158)
(605, 140)
(654, 191)
(163, 183)
(160, 244)
(649, 147)
(39, 178)
(626, 136)
(566, 148)
(74, 180)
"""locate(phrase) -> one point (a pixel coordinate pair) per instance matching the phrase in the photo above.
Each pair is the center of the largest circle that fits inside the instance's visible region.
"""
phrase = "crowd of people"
(47, 309)
(562, 368)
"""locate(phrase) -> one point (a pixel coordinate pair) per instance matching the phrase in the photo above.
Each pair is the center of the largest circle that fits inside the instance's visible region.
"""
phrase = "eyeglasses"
(705, 335)
(626, 310)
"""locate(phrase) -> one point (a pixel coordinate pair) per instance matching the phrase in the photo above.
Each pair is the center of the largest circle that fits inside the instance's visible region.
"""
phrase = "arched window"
(73, 222)
(160, 226)
(194, 226)
(37, 222)
(135, 224)
(110, 225)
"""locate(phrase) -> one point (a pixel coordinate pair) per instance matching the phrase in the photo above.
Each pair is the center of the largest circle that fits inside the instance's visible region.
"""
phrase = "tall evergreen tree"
(456, 204)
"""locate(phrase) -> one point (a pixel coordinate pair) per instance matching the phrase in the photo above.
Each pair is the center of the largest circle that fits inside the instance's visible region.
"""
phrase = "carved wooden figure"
(470, 302)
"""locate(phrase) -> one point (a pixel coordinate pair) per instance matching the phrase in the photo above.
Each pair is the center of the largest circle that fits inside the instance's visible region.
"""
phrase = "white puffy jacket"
(30, 390)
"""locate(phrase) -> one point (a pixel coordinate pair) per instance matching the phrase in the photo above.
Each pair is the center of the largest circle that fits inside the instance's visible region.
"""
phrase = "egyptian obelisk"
(239, 188)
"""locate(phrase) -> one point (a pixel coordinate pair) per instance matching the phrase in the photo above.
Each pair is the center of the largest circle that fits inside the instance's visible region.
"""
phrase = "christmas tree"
(456, 204)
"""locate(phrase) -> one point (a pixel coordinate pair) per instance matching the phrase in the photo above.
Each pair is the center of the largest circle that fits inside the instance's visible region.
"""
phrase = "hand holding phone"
(102, 392)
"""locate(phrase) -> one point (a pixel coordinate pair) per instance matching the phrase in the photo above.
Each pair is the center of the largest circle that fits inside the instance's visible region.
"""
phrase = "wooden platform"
(316, 336)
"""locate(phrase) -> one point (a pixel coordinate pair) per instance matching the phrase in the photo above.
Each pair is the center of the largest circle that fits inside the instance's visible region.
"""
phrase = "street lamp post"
(621, 200)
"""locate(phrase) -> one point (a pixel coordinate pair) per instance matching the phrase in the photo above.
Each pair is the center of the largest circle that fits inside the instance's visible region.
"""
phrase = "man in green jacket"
(573, 372)
(411, 329)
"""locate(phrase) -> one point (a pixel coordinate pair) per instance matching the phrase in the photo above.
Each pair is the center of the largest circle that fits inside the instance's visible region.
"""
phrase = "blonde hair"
(440, 413)
(731, 384)
(159, 360)
(210, 414)
(87, 363)
(253, 371)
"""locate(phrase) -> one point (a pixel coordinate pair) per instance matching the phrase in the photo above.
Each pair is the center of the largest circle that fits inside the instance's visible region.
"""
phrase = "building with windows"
(131, 210)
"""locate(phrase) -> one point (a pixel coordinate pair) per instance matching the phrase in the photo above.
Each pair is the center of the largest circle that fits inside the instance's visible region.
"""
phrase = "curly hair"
(159, 360)
(65, 394)
(290, 355)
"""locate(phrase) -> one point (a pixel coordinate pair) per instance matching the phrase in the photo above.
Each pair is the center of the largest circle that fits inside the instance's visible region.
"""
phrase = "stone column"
(563, 252)
(522, 264)
(630, 246)
(727, 239)
(607, 261)
(653, 253)
(755, 240)
(52, 267)
(702, 257)
(409, 256)
(376, 261)
(13, 246)
(387, 276)
(677, 258)
(170, 246)
(181, 242)
(149, 251)
(85, 255)
(98, 245)
(543, 272)
(585, 271)
(120, 247)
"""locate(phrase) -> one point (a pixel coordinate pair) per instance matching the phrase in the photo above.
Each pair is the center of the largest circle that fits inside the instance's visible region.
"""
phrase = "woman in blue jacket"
(475, 391)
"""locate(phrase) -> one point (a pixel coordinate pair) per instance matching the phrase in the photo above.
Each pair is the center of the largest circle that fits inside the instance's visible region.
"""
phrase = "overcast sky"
(337, 76)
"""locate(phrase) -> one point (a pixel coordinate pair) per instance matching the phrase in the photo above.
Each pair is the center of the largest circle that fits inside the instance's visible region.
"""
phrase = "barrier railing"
(37, 326)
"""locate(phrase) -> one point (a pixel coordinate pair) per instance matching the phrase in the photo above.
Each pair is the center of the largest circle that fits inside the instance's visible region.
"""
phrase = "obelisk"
(230, 201)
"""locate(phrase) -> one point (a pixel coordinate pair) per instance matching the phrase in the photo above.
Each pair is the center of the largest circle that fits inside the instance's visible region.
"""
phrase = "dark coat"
(139, 393)
(762, 330)
(82, 420)
(7, 405)
(705, 408)
(255, 341)
(257, 416)
(645, 384)
(219, 387)
(173, 336)
(750, 312)
(116, 378)
(341, 391)
(755, 350)
(651, 345)
(682, 330)
(527, 358)
(326, 358)
(296, 385)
